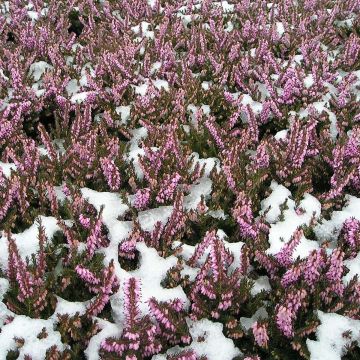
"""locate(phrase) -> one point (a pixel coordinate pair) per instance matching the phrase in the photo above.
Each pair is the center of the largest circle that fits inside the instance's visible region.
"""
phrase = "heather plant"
(217, 291)
(224, 135)
(138, 338)
(29, 295)
(76, 331)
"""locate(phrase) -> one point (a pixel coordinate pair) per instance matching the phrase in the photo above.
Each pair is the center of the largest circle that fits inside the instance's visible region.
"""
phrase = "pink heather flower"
(131, 357)
(335, 273)
(351, 230)
(111, 173)
(229, 177)
(292, 275)
(142, 198)
(312, 267)
(267, 262)
(209, 238)
(97, 305)
(131, 300)
(160, 315)
(243, 215)
(170, 317)
(107, 286)
(261, 159)
(284, 319)
(2, 178)
(214, 131)
(336, 266)
(46, 140)
(18, 271)
(86, 275)
(84, 221)
(9, 196)
(139, 333)
(66, 190)
(184, 355)
(52, 198)
(286, 313)
(168, 187)
(284, 256)
(260, 334)
(94, 239)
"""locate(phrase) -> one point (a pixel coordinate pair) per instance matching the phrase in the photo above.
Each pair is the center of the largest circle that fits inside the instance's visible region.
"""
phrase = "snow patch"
(331, 343)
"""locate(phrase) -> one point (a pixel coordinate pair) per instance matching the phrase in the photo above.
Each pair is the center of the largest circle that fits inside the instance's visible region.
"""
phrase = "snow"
(108, 329)
(354, 268)
(188, 250)
(330, 229)
(28, 329)
(6, 168)
(161, 84)
(79, 98)
(148, 218)
(308, 81)
(68, 307)
(193, 109)
(72, 87)
(113, 208)
(143, 26)
(217, 214)
(330, 343)
(209, 163)
(134, 150)
(246, 322)
(4, 285)
(141, 89)
(4, 311)
(3, 75)
(281, 135)
(203, 188)
(320, 106)
(149, 258)
(227, 7)
(208, 340)
(255, 106)
(280, 28)
(260, 284)
(113, 205)
(281, 231)
(277, 197)
(229, 26)
(27, 241)
(4, 7)
(152, 271)
(124, 112)
(37, 69)
(235, 249)
(206, 85)
(33, 15)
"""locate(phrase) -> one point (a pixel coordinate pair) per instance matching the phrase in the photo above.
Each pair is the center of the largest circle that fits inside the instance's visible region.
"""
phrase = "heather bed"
(180, 180)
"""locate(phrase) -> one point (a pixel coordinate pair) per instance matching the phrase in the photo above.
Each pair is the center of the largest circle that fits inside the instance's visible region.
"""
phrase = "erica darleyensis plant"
(216, 289)
(30, 293)
(138, 339)
(224, 135)
(102, 285)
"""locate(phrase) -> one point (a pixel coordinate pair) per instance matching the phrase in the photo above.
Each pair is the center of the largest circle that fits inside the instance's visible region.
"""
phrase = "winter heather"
(180, 179)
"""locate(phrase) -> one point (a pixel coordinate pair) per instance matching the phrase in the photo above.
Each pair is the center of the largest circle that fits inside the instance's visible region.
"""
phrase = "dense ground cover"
(180, 179)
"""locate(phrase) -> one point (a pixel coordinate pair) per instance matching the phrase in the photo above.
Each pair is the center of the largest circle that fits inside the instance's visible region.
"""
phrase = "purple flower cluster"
(179, 163)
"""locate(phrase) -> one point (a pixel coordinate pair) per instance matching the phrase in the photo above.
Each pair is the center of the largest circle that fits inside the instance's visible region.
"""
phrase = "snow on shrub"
(179, 179)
